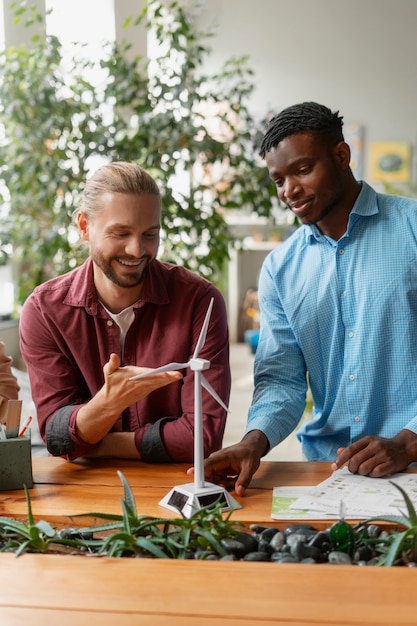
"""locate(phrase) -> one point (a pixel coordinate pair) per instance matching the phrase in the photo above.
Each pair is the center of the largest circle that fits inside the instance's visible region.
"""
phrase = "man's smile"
(301, 206)
(130, 263)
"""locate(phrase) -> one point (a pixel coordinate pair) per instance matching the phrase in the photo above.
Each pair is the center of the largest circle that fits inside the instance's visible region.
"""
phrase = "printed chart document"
(284, 497)
(360, 497)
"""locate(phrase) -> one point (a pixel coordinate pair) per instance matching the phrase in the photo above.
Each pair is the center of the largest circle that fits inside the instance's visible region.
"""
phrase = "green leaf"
(394, 550)
(151, 547)
(391, 519)
(412, 514)
(15, 526)
(129, 499)
(210, 540)
(45, 528)
(29, 505)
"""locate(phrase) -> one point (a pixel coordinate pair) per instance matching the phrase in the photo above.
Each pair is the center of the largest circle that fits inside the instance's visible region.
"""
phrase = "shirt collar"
(366, 205)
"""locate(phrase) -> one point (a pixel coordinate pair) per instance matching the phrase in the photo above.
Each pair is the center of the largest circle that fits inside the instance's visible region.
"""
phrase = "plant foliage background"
(165, 113)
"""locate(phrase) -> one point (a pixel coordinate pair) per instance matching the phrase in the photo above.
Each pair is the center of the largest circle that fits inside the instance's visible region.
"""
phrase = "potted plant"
(210, 535)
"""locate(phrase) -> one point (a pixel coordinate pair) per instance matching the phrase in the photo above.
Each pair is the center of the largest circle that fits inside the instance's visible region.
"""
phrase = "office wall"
(357, 56)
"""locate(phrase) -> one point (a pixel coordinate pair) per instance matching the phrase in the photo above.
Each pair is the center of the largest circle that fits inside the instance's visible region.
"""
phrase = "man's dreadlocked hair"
(307, 117)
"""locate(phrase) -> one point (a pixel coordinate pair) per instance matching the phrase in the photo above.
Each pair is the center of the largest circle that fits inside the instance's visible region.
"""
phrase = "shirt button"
(352, 377)
(341, 251)
(344, 294)
(357, 418)
(109, 322)
(350, 334)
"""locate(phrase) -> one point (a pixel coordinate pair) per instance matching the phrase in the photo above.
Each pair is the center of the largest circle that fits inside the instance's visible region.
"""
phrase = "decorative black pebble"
(257, 556)
(300, 543)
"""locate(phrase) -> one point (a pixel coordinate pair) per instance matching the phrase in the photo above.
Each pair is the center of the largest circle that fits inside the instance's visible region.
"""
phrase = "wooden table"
(81, 590)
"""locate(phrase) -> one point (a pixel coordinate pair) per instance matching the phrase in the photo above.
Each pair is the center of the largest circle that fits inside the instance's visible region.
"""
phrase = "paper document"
(362, 496)
(284, 497)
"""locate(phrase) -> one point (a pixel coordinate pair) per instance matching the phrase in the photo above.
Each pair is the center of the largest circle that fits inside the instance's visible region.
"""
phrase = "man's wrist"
(408, 439)
(95, 419)
(258, 441)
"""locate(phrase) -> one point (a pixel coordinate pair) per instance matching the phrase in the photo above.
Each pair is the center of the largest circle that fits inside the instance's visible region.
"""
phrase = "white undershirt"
(124, 320)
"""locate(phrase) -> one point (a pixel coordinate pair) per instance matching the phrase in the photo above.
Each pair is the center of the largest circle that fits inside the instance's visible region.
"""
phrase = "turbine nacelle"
(198, 365)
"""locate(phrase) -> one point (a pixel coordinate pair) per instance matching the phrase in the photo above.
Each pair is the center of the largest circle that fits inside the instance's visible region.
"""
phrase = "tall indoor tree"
(192, 130)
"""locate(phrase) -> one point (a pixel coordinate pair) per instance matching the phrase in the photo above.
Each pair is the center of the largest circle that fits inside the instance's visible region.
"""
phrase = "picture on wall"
(390, 161)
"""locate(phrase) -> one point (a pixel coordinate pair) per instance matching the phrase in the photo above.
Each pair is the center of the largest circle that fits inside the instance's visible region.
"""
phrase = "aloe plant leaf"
(412, 514)
(15, 526)
(209, 539)
(100, 515)
(117, 542)
(149, 546)
(31, 520)
(394, 550)
(390, 519)
(126, 517)
(34, 532)
(22, 548)
(129, 498)
(46, 528)
(102, 527)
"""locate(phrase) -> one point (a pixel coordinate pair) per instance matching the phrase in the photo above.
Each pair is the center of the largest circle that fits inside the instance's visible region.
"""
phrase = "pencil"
(25, 426)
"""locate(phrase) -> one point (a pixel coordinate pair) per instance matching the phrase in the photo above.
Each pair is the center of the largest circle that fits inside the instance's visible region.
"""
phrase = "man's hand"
(377, 456)
(122, 392)
(233, 467)
(95, 419)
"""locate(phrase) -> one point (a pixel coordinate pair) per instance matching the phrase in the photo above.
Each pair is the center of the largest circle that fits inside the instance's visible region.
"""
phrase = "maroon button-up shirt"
(66, 337)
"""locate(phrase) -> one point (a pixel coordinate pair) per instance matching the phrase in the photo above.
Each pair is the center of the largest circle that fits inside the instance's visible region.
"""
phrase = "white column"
(16, 34)
(137, 36)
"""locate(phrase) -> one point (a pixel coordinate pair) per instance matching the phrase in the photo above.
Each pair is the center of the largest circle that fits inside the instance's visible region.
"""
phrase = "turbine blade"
(203, 332)
(163, 368)
(205, 383)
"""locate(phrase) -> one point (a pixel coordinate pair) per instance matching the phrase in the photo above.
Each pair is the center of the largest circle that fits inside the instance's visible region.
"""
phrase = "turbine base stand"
(188, 499)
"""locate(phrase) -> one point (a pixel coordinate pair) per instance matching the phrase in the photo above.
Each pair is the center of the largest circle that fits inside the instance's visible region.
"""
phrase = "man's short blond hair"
(118, 177)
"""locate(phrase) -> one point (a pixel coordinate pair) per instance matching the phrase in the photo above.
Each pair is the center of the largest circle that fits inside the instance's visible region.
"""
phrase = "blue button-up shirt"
(342, 314)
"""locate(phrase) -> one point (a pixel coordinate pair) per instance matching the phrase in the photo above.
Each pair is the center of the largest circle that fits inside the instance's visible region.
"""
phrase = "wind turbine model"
(189, 498)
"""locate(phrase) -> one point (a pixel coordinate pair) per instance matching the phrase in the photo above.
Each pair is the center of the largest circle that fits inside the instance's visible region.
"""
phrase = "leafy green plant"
(199, 536)
(124, 535)
(399, 544)
(165, 114)
(161, 537)
(32, 536)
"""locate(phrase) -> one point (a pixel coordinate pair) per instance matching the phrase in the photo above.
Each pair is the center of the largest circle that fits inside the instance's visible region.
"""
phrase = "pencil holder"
(16, 463)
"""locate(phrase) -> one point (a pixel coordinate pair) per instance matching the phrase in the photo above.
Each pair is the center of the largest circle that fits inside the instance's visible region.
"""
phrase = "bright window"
(90, 22)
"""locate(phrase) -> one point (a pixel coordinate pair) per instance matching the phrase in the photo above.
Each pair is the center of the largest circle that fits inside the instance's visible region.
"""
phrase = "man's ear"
(82, 222)
(342, 154)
